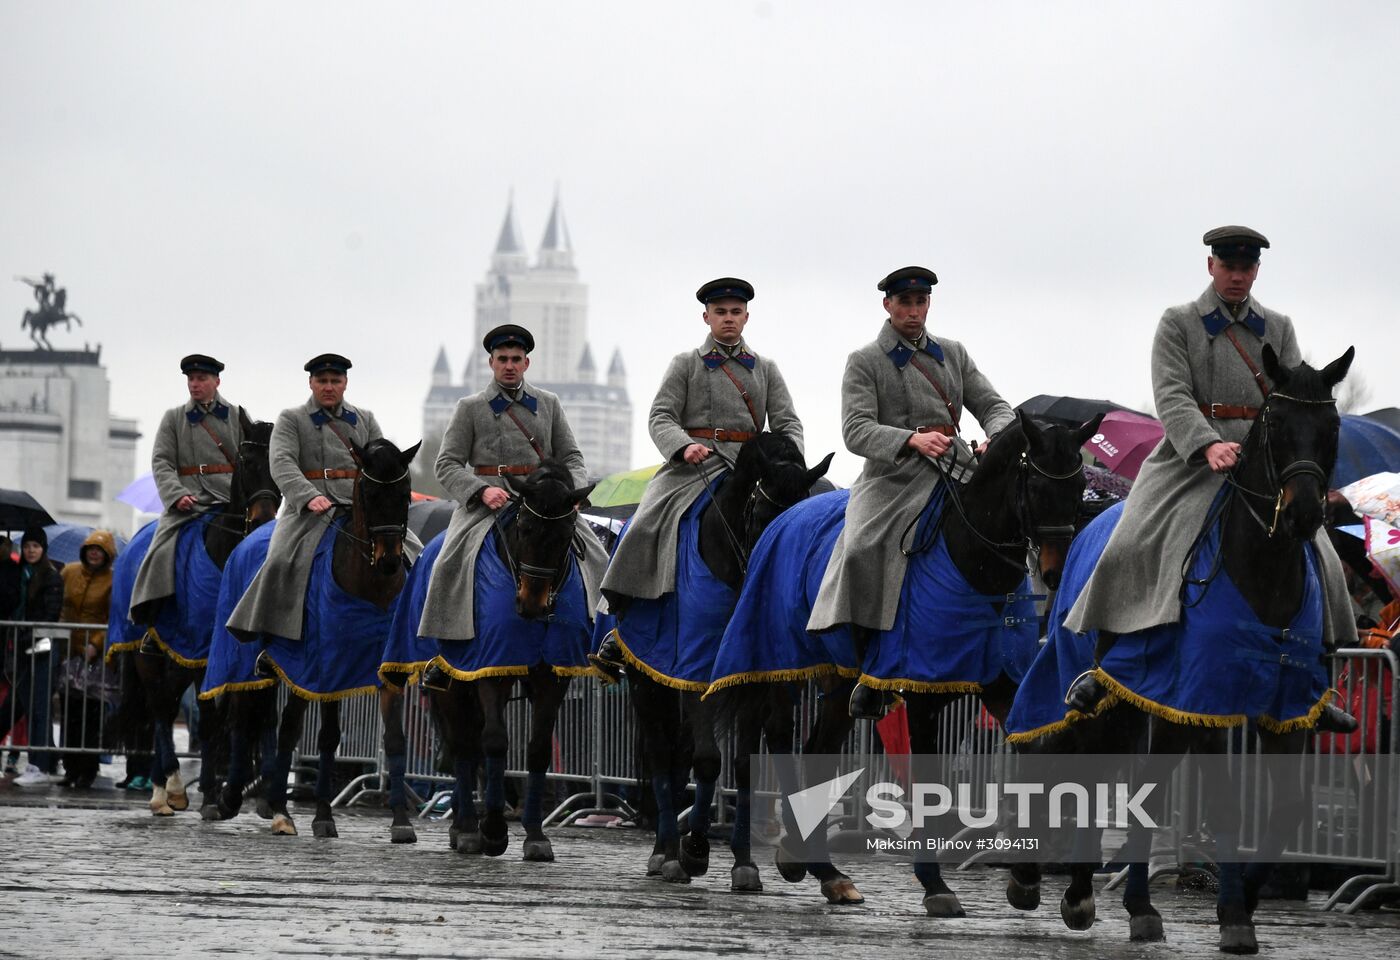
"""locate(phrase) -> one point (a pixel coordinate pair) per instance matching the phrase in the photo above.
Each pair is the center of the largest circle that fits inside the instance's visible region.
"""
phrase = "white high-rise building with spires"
(548, 299)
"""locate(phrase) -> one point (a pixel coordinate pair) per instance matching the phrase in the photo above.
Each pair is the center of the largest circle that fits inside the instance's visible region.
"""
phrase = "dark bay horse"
(769, 475)
(367, 565)
(162, 671)
(1269, 516)
(535, 549)
(1025, 492)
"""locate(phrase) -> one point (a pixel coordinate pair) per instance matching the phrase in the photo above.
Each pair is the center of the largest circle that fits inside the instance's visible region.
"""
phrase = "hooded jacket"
(87, 591)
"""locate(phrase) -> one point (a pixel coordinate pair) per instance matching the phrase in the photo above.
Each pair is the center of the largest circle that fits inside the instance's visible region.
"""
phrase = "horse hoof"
(1238, 939)
(654, 863)
(1077, 914)
(841, 891)
(538, 851)
(264, 809)
(789, 870)
(744, 879)
(695, 855)
(402, 833)
(944, 906)
(1022, 896)
(325, 829)
(673, 872)
(468, 841)
(494, 846)
(175, 794)
(1146, 929)
(209, 812)
(283, 826)
(161, 810)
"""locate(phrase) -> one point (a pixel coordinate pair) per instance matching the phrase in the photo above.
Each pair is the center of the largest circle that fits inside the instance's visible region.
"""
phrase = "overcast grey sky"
(267, 181)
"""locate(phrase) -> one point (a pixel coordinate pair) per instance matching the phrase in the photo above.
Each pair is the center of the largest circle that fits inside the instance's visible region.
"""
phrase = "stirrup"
(435, 678)
(1085, 693)
(149, 647)
(860, 706)
(264, 666)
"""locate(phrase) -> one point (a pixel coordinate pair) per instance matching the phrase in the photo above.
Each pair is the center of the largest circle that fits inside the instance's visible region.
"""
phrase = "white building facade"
(548, 299)
(58, 439)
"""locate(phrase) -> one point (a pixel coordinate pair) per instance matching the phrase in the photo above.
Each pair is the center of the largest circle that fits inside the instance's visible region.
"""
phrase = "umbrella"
(1376, 496)
(141, 493)
(1364, 447)
(19, 510)
(428, 518)
(1390, 416)
(1383, 547)
(66, 541)
(618, 494)
(1124, 440)
(1069, 411)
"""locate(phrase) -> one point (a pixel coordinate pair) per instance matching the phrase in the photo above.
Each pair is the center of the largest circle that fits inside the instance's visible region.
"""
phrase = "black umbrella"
(19, 510)
(1069, 411)
(428, 518)
(1390, 416)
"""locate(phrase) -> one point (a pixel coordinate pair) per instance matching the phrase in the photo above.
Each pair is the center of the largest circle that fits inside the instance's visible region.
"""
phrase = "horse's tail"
(73, 316)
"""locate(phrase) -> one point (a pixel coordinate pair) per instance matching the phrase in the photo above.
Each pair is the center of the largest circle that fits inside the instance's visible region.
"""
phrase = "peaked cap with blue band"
(1235, 244)
(508, 333)
(327, 361)
(725, 287)
(907, 278)
(199, 363)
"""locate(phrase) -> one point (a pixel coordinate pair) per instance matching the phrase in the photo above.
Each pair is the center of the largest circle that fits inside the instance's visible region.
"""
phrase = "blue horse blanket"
(185, 622)
(946, 637)
(1216, 666)
(674, 638)
(231, 662)
(506, 644)
(406, 653)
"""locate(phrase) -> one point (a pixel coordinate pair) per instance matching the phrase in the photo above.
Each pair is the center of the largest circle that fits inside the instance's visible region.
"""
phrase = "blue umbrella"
(66, 541)
(1365, 447)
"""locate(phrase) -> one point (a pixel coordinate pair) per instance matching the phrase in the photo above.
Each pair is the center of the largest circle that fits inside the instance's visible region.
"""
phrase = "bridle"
(555, 575)
(746, 513)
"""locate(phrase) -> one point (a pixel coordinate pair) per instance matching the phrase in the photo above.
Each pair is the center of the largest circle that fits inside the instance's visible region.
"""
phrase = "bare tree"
(1354, 394)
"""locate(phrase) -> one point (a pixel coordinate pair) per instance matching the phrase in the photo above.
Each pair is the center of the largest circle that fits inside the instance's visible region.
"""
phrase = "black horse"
(1273, 509)
(1026, 491)
(536, 546)
(253, 500)
(769, 476)
(367, 562)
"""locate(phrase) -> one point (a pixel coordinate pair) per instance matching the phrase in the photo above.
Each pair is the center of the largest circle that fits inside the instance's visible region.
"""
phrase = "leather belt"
(721, 436)
(1229, 411)
(204, 469)
(505, 470)
(329, 474)
(947, 429)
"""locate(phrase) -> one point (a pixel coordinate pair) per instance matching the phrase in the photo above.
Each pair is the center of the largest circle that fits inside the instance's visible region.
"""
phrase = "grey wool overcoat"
(884, 398)
(302, 442)
(482, 434)
(695, 394)
(183, 440)
(1136, 582)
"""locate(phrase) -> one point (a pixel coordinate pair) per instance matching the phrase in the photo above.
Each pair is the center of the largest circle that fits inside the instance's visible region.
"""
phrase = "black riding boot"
(436, 678)
(1336, 720)
(1085, 693)
(609, 658)
(264, 666)
(867, 703)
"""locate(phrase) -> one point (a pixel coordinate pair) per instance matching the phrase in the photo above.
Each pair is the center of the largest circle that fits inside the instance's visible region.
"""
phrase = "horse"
(181, 629)
(39, 321)
(1024, 494)
(1265, 520)
(357, 574)
(532, 626)
(670, 653)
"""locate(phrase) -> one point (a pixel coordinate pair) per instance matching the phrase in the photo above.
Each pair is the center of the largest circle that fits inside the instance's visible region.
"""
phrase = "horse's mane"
(770, 448)
(554, 471)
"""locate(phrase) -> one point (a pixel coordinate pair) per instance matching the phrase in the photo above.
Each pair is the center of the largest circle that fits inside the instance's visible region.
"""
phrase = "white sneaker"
(33, 777)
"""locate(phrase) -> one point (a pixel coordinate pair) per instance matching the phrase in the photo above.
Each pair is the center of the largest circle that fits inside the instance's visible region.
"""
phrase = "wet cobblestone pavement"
(95, 875)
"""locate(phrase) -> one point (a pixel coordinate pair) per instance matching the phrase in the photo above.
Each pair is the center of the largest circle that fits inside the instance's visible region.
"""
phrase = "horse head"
(382, 495)
(253, 473)
(1050, 489)
(771, 468)
(1292, 447)
(539, 539)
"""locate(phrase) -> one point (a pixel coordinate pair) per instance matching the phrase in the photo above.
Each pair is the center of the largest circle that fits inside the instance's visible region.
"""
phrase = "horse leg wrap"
(398, 769)
(532, 813)
(700, 811)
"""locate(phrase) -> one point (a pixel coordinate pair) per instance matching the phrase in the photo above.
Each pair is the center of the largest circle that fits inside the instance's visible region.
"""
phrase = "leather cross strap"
(748, 401)
(218, 443)
(720, 436)
(505, 470)
(943, 428)
(534, 445)
(329, 474)
(1228, 411)
(946, 402)
(204, 469)
(1258, 375)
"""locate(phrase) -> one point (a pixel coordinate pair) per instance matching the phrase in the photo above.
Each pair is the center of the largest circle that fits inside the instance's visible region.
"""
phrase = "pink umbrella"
(1124, 440)
(141, 494)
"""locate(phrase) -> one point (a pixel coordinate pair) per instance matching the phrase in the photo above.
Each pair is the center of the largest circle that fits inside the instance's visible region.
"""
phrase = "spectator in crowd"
(9, 597)
(87, 594)
(37, 584)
